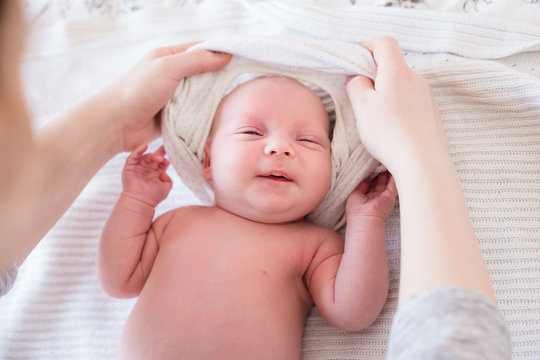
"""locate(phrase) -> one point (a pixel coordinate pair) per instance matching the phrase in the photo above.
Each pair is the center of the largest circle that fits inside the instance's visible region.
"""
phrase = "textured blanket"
(485, 75)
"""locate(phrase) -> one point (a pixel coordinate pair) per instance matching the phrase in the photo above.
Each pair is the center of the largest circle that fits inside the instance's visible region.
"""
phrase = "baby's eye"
(251, 132)
(309, 140)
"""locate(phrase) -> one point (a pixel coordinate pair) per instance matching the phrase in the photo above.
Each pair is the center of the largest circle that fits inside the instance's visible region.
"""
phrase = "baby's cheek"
(323, 182)
(237, 168)
(231, 174)
(329, 172)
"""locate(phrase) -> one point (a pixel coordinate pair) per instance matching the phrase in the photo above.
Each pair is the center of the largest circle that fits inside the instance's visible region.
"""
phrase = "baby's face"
(269, 157)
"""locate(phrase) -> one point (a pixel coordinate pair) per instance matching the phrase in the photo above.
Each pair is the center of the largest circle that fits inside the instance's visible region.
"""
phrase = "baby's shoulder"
(320, 234)
(183, 214)
(320, 243)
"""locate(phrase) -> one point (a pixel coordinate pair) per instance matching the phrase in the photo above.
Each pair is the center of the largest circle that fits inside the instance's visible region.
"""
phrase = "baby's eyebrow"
(251, 120)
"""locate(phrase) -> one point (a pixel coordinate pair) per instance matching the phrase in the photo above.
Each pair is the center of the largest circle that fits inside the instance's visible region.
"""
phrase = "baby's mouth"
(277, 176)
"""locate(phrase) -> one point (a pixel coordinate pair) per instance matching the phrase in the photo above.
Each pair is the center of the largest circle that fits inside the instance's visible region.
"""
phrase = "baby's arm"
(350, 289)
(128, 244)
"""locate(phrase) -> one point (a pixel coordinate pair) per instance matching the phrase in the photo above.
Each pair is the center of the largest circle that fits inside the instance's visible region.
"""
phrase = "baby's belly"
(210, 306)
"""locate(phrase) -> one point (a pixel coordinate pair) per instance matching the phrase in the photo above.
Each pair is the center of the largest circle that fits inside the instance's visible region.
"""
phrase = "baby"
(236, 280)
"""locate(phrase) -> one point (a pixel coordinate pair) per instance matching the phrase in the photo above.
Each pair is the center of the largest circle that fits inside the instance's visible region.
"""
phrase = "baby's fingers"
(160, 151)
(136, 155)
(380, 182)
(156, 159)
(152, 161)
(358, 196)
(388, 188)
(158, 156)
(163, 176)
(164, 164)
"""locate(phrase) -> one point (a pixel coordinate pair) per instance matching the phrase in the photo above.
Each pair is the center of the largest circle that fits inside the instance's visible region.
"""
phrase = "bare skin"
(230, 290)
(49, 167)
(242, 293)
(214, 284)
(400, 125)
(28, 157)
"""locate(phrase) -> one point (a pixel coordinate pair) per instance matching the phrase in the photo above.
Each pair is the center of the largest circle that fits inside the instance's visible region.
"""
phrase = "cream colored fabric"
(485, 75)
(187, 119)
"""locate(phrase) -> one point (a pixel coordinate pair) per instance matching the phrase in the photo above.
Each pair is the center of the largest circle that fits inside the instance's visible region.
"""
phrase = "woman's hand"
(140, 94)
(396, 115)
(399, 123)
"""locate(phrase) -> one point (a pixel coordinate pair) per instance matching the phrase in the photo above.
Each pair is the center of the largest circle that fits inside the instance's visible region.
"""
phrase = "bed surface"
(56, 309)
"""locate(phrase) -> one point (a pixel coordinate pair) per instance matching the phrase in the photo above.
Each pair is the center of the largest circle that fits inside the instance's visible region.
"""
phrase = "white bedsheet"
(56, 310)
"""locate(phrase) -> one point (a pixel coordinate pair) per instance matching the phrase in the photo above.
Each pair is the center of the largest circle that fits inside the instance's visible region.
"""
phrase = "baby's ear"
(206, 172)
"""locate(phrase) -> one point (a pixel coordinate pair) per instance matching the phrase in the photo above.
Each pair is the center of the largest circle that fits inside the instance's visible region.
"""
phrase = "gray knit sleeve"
(449, 323)
(8, 278)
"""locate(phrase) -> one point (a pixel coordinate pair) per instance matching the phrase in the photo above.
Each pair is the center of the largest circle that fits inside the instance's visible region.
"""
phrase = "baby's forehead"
(278, 80)
(271, 81)
(249, 81)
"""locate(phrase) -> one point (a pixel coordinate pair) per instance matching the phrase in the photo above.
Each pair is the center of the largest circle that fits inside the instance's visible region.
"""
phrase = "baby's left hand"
(375, 200)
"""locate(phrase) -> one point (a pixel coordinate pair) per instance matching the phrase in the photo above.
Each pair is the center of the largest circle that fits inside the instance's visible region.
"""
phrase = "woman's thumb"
(358, 87)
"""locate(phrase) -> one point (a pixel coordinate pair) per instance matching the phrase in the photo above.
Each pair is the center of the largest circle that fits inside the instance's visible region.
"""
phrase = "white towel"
(485, 75)
(188, 117)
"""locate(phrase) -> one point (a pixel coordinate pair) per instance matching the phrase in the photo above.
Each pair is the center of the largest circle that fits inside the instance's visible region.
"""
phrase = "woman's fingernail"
(220, 53)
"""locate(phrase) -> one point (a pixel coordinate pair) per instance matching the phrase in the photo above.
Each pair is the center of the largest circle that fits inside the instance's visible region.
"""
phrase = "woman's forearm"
(439, 246)
(399, 124)
(67, 154)
(46, 171)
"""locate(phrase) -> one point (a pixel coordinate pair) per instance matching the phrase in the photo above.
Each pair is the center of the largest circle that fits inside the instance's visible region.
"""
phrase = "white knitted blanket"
(485, 74)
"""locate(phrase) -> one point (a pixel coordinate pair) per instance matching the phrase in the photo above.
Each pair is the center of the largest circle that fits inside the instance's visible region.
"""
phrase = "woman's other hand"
(397, 117)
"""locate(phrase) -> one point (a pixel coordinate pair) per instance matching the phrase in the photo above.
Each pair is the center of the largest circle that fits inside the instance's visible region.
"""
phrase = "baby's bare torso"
(223, 287)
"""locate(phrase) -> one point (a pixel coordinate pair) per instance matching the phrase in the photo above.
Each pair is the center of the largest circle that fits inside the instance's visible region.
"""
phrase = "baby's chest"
(234, 267)
(220, 286)
(237, 250)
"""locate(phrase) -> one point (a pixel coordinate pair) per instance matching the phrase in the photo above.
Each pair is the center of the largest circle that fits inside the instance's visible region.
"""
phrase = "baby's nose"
(276, 147)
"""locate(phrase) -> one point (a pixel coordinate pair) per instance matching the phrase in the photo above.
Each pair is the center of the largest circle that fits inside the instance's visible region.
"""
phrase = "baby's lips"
(277, 174)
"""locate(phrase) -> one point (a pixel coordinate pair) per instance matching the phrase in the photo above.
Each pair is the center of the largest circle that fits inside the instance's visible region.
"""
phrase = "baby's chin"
(270, 219)
(268, 216)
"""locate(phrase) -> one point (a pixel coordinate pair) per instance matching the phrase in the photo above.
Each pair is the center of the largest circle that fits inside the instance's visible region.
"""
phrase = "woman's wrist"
(422, 165)
(110, 117)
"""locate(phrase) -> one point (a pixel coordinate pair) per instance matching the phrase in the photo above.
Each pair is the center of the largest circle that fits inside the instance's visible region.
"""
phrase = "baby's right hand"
(397, 117)
(144, 177)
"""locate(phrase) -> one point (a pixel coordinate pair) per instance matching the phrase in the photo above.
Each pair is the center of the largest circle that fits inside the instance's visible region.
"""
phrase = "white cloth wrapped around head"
(319, 64)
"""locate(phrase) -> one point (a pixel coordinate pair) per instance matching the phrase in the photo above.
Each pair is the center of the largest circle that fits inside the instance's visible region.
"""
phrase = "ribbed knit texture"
(485, 75)
(459, 324)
